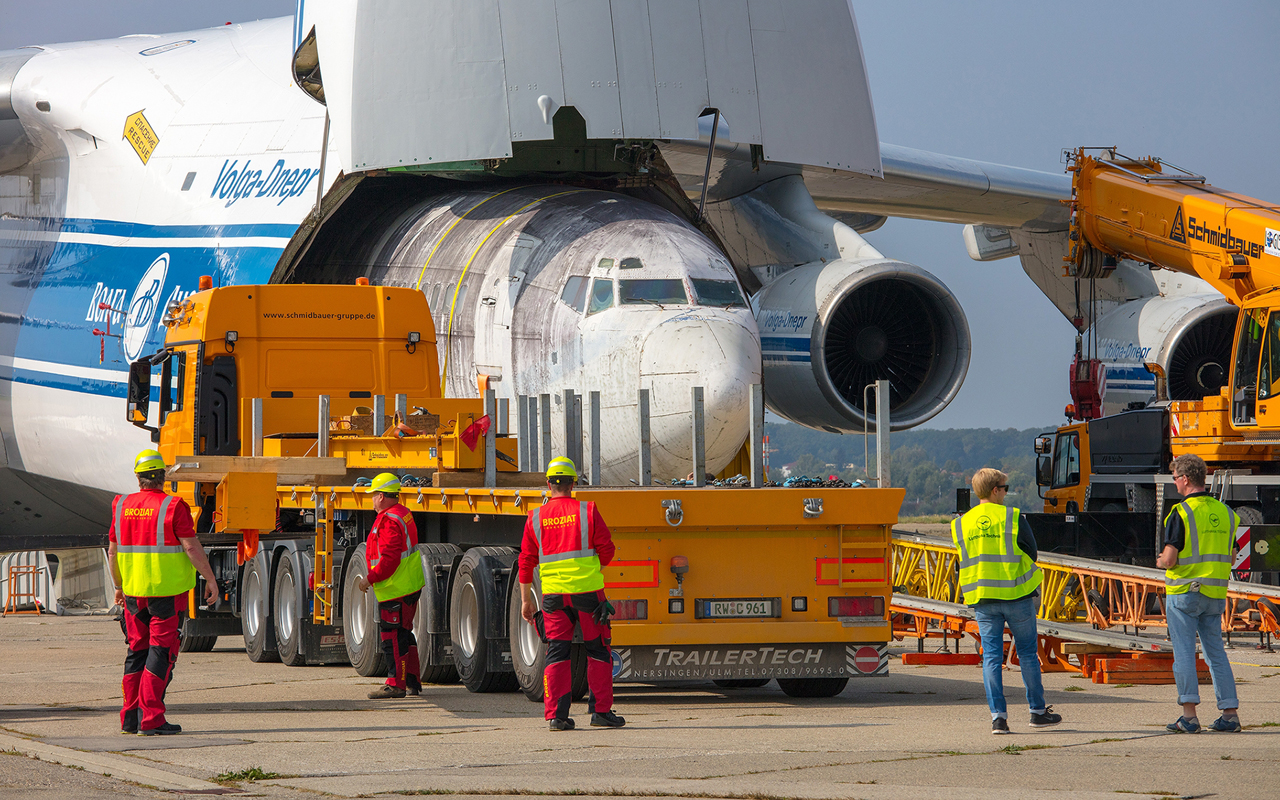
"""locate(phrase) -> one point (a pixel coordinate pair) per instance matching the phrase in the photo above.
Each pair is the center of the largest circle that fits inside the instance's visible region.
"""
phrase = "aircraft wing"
(916, 183)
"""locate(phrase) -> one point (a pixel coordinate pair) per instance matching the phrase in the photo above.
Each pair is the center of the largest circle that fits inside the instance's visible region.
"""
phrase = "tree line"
(929, 464)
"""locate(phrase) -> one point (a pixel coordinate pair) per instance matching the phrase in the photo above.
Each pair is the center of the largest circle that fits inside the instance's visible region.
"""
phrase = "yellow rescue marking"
(448, 336)
(139, 133)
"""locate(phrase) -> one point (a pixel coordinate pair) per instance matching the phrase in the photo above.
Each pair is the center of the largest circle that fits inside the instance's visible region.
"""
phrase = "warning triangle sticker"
(1178, 232)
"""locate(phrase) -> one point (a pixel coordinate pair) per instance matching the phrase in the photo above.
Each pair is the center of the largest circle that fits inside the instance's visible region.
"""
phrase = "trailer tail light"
(311, 581)
(855, 606)
(630, 609)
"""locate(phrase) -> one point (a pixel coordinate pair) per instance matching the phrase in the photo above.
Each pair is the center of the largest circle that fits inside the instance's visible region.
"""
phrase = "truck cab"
(1062, 468)
(1081, 466)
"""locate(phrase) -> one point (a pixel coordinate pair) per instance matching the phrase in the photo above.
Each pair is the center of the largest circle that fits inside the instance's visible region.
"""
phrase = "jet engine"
(1189, 335)
(829, 330)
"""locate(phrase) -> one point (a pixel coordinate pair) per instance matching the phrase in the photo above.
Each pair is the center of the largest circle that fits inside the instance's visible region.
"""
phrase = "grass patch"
(928, 519)
(247, 775)
(1100, 741)
(1157, 792)
(1074, 688)
(1123, 685)
(1225, 758)
(1262, 725)
(1015, 749)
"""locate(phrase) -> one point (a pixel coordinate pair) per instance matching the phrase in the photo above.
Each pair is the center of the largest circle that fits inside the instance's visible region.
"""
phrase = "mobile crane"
(274, 401)
(1150, 211)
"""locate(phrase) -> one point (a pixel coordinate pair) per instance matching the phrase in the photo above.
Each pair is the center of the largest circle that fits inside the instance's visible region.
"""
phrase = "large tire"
(472, 606)
(188, 643)
(433, 604)
(286, 614)
(528, 652)
(742, 683)
(812, 687)
(1249, 515)
(360, 620)
(255, 611)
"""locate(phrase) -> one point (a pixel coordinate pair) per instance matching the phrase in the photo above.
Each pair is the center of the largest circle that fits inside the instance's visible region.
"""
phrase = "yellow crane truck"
(270, 403)
(1149, 211)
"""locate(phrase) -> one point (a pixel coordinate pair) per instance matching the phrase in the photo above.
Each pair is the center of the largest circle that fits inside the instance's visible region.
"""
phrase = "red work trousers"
(560, 613)
(395, 624)
(151, 633)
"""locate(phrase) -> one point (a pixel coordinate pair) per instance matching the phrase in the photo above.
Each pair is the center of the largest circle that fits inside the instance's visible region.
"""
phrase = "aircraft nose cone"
(718, 350)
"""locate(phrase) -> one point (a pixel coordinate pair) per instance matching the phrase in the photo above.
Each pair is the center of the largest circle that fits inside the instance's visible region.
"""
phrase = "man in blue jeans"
(1199, 534)
(1000, 580)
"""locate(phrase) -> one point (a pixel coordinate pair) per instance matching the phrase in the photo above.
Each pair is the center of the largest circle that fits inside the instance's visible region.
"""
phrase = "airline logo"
(240, 182)
(143, 307)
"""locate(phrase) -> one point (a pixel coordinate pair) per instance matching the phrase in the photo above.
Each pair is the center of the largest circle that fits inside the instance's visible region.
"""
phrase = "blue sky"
(1011, 82)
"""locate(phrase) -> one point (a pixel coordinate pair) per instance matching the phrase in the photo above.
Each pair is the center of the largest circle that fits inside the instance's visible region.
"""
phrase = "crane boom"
(1148, 210)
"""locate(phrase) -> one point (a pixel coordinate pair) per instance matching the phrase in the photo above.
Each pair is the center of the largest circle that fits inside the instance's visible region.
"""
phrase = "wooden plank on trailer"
(1081, 648)
(942, 659)
(214, 468)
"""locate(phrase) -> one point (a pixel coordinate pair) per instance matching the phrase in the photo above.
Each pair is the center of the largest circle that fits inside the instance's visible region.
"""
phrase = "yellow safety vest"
(574, 571)
(152, 570)
(408, 577)
(992, 566)
(1205, 558)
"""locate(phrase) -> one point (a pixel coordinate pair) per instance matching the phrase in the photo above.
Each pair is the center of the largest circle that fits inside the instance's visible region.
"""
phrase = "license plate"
(738, 608)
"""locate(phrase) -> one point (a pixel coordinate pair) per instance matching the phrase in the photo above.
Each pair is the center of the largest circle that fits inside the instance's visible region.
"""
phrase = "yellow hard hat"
(386, 483)
(148, 461)
(562, 467)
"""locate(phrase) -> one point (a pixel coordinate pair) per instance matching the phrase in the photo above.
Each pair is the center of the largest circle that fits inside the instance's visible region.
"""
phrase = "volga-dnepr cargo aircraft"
(536, 167)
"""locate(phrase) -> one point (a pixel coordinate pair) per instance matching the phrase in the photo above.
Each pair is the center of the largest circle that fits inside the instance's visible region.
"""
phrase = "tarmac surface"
(268, 730)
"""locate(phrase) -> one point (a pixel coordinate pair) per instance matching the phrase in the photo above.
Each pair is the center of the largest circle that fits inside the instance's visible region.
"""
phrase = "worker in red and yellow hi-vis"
(395, 572)
(567, 542)
(154, 555)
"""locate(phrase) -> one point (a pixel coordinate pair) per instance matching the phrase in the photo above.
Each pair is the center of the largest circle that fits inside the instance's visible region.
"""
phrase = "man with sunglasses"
(1198, 536)
(1000, 580)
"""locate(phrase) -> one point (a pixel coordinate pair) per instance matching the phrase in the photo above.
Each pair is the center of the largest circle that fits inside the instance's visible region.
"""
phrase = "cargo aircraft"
(598, 196)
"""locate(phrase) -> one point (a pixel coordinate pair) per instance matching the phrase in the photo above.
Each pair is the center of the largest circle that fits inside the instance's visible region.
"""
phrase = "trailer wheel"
(360, 620)
(528, 653)
(433, 611)
(742, 683)
(474, 604)
(812, 687)
(187, 643)
(288, 625)
(255, 613)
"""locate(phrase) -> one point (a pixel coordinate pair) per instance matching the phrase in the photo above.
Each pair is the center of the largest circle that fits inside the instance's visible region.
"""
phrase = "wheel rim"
(286, 606)
(358, 618)
(528, 643)
(468, 620)
(251, 617)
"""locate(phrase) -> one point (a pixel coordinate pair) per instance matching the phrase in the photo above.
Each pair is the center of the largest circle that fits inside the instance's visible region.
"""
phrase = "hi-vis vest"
(573, 571)
(1205, 557)
(992, 566)
(149, 564)
(407, 578)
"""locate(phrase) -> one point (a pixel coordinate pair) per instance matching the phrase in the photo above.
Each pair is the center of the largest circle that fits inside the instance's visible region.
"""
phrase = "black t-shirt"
(1175, 535)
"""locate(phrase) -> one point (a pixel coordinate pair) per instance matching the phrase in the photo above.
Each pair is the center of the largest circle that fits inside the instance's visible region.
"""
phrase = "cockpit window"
(661, 291)
(724, 294)
(605, 263)
(601, 295)
(631, 263)
(575, 293)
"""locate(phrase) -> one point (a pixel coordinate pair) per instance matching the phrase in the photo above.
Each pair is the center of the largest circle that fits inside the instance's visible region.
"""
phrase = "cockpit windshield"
(662, 291)
(724, 294)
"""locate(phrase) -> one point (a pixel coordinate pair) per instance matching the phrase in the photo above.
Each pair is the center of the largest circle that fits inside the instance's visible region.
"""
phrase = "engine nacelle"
(1189, 335)
(829, 330)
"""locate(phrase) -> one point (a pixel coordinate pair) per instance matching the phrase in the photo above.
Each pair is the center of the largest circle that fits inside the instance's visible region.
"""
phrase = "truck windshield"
(1244, 391)
(1066, 460)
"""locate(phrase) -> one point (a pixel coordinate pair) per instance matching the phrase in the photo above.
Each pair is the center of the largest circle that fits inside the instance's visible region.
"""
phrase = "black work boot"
(607, 720)
(165, 729)
(558, 724)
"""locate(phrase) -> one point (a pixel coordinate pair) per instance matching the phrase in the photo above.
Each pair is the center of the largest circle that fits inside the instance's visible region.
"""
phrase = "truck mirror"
(1043, 445)
(138, 402)
(1044, 471)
